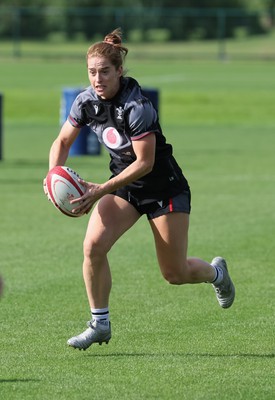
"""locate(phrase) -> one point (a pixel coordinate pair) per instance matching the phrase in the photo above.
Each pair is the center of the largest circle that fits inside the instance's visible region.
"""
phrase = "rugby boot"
(95, 333)
(225, 291)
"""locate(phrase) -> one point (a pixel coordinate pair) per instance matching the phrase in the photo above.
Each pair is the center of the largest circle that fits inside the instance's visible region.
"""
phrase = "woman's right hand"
(46, 189)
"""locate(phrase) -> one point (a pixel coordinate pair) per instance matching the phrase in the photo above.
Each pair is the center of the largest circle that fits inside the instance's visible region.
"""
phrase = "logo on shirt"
(96, 108)
(119, 111)
(111, 138)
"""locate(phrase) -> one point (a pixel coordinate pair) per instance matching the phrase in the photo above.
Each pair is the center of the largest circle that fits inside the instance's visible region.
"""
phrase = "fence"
(55, 25)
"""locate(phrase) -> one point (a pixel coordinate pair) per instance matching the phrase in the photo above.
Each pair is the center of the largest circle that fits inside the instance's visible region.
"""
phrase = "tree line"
(140, 20)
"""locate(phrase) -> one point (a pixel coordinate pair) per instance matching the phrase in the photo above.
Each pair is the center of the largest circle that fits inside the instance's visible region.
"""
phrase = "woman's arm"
(61, 146)
(145, 158)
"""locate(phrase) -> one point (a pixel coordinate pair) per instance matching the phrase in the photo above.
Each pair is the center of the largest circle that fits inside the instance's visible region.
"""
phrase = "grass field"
(250, 47)
(168, 342)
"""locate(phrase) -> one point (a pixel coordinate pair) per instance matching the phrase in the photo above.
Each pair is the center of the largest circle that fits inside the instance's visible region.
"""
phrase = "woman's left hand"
(84, 203)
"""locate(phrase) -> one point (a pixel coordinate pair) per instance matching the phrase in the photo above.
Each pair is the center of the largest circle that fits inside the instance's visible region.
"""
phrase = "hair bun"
(114, 37)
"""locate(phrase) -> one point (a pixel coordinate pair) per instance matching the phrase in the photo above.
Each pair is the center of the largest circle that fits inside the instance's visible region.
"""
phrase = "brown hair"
(111, 48)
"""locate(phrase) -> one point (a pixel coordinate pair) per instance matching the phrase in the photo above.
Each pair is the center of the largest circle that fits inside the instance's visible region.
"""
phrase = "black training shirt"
(127, 117)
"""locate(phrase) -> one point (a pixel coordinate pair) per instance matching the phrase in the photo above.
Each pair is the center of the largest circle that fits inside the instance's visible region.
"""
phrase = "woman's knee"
(181, 275)
(174, 277)
(174, 280)
(94, 248)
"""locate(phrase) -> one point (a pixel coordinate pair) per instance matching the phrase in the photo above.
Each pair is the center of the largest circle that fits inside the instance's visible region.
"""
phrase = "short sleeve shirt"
(127, 117)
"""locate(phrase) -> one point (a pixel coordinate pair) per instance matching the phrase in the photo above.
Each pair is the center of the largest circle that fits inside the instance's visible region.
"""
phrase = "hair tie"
(107, 41)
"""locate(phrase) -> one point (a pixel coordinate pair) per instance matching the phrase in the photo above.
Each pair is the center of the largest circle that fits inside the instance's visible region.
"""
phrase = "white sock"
(101, 315)
(219, 276)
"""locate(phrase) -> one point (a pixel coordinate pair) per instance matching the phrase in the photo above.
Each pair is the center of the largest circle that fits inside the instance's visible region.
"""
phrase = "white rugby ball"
(63, 186)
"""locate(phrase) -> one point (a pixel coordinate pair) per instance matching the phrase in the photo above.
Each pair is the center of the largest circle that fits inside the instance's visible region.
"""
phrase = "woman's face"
(104, 77)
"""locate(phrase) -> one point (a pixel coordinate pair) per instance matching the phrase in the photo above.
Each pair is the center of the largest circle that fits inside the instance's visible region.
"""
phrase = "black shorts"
(153, 209)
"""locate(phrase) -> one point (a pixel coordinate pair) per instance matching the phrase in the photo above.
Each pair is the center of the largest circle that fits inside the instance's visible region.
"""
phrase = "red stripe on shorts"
(171, 205)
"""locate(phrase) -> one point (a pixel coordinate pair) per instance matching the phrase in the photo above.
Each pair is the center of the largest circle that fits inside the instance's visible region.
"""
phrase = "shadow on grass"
(193, 355)
(13, 380)
(25, 163)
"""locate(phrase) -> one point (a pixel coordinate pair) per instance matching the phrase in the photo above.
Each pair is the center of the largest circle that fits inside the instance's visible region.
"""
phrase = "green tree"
(183, 19)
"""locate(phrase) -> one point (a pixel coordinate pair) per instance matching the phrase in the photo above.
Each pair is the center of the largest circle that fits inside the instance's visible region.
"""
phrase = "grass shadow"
(15, 380)
(191, 355)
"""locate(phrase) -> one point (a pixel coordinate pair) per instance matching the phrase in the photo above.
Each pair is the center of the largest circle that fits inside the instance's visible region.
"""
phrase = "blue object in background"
(152, 95)
(86, 142)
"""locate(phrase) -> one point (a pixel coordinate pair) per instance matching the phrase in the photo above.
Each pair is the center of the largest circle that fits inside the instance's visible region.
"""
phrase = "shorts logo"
(111, 138)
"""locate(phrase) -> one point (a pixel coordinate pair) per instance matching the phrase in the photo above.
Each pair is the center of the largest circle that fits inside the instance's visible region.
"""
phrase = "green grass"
(168, 342)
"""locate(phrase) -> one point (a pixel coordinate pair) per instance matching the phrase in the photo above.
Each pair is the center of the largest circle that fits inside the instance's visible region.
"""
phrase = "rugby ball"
(63, 186)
